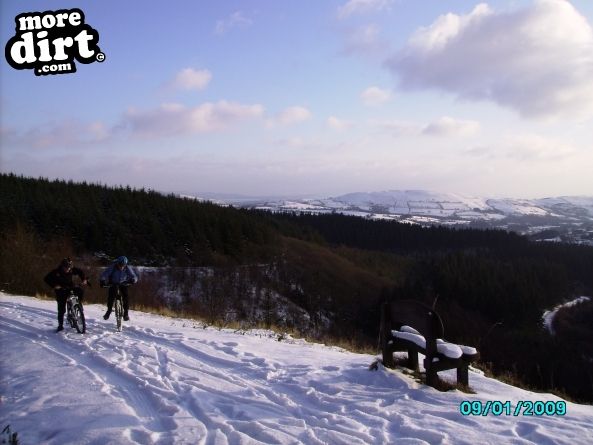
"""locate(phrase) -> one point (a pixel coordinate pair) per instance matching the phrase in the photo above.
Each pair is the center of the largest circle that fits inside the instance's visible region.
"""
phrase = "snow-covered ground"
(173, 381)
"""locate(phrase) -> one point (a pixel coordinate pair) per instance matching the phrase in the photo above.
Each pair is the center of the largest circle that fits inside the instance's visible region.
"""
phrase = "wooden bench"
(411, 326)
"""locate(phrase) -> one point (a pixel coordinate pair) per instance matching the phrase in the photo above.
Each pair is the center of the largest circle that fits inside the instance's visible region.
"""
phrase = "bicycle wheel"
(79, 321)
(70, 315)
(119, 310)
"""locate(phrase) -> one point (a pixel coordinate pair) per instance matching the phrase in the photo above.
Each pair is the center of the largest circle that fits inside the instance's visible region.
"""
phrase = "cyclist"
(60, 279)
(122, 275)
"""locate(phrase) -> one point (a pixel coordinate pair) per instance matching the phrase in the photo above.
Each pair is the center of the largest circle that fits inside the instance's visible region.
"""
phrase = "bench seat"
(413, 327)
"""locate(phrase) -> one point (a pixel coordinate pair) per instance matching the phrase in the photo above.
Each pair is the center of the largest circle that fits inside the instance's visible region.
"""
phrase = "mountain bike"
(75, 313)
(118, 304)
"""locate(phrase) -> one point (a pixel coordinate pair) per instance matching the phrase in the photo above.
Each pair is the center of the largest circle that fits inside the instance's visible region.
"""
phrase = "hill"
(170, 380)
(565, 218)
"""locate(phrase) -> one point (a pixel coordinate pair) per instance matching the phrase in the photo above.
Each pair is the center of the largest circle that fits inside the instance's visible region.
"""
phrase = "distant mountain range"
(565, 218)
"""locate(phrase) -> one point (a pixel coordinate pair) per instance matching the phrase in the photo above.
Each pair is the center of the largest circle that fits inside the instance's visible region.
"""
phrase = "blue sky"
(313, 98)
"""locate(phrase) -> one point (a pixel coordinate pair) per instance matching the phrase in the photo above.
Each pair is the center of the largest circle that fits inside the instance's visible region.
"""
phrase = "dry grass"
(349, 344)
(510, 378)
(162, 311)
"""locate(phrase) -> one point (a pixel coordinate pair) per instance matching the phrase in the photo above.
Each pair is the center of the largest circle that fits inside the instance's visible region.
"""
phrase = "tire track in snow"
(303, 400)
(269, 401)
(267, 389)
(221, 403)
(191, 392)
(156, 416)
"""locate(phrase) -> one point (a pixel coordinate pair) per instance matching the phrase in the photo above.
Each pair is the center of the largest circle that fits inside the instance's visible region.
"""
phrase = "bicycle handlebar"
(125, 283)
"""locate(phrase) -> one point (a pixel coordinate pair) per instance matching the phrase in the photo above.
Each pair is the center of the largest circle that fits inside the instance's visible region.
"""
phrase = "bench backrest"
(415, 314)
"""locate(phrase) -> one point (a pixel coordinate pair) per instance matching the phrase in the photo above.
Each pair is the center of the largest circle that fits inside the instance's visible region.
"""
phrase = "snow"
(415, 201)
(424, 220)
(174, 381)
(582, 202)
(427, 208)
(410, 329)
(516, 207)
(449, 350)
(380, 216)
(295, 205)
(548, 317)
(468, 350)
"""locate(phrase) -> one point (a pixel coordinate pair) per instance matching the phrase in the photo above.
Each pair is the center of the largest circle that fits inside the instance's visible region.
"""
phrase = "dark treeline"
(434, 241)
(146, 224)
(500, 274)
(396, 237)
(491, 287)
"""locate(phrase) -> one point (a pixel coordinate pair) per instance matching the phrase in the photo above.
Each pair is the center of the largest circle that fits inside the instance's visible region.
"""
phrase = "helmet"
(66, 263)
(122, 260)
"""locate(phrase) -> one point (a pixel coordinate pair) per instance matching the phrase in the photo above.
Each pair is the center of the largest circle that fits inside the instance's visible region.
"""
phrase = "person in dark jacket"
(119, 274)
(60, 279)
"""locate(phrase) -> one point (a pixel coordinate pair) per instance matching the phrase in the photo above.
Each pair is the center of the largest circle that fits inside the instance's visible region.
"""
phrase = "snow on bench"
(449, 350)
(414, 327)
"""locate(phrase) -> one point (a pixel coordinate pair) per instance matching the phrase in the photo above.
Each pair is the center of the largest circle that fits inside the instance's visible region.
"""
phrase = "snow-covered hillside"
(442, 205)
(567, 218)
(173, 381)
(549, 316)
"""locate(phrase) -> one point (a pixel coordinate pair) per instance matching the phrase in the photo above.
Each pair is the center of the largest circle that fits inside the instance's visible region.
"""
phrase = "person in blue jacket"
(121, 275)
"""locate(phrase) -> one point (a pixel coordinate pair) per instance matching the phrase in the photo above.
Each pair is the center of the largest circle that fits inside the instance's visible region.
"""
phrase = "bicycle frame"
(75, 313)
(71, 301)
(118, 304)
(119, 308)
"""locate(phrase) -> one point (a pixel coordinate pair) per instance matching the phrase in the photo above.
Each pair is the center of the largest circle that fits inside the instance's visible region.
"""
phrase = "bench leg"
(462, 375)
(431, 378)
(412, 360)
(388, 358)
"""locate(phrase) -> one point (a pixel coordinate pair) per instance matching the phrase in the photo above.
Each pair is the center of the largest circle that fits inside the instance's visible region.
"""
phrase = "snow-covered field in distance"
(569, 217)
(174, 381)
(443, 205)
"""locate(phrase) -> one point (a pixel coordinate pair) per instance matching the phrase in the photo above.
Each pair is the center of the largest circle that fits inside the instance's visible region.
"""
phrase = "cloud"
(398, 127)
(374, 96)
(290, 116)
(353, 7)
(532, 147)
(447, 126)
(65, 134)
(442, 127)
(166, 120)
(7, 133)
(537, 60)
(236, 20)
(191, 79)
(176, 119)
(364, 40)
(526, 148)
(338, 124)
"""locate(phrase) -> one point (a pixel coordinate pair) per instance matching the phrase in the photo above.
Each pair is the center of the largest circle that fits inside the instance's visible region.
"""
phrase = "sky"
(309, 98)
